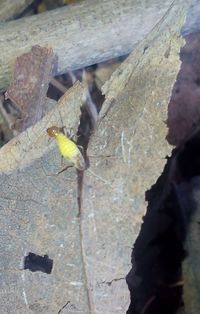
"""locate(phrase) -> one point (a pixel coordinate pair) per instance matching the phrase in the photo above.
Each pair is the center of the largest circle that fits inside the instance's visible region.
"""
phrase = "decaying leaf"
(31, 77)
(131, 136)
(39, 216)
(34, 142)
(91, 255)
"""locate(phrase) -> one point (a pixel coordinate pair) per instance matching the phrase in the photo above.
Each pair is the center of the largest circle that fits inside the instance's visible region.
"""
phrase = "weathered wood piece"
(10, 9)
(82, 34)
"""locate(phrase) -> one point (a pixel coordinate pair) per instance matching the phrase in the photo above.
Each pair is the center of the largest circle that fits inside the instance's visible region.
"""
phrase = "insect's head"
(53, 131)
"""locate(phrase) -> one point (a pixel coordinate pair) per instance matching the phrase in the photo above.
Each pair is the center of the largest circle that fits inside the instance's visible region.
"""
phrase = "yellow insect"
(67, 148)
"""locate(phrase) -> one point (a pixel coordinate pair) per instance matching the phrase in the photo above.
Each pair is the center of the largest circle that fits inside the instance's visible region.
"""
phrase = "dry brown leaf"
(31, 76)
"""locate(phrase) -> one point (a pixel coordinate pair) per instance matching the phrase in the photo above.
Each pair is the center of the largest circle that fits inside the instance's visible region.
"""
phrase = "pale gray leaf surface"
(131, 134)
(39, 215)
(34, 142)
(10, 8)
(38, 212)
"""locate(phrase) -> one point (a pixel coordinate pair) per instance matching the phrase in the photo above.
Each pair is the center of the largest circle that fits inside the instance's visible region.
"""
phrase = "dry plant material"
(34, 142)
(96, 31)
(10, 9)
(31, 76)
(43, 211)
(131, 130)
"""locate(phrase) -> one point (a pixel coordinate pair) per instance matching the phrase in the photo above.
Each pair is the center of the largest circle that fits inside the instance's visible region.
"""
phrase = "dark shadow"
(155, 280)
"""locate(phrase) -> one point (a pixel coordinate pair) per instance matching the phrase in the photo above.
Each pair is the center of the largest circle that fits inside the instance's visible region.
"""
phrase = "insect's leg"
(102, 156)
(70, 134)
(63, 129)
(64, 169)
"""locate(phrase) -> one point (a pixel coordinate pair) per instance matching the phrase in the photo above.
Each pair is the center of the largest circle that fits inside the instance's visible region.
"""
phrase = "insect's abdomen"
(69, 150)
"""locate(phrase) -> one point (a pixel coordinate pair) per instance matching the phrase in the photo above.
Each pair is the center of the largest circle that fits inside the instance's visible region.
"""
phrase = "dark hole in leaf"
(35, 262)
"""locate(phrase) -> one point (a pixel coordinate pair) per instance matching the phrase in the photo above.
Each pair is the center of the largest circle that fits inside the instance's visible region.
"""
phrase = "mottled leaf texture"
(10, 9)
(31, 76)
(91, 254)
(34, 142)
(131, 136)
(40, 248)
